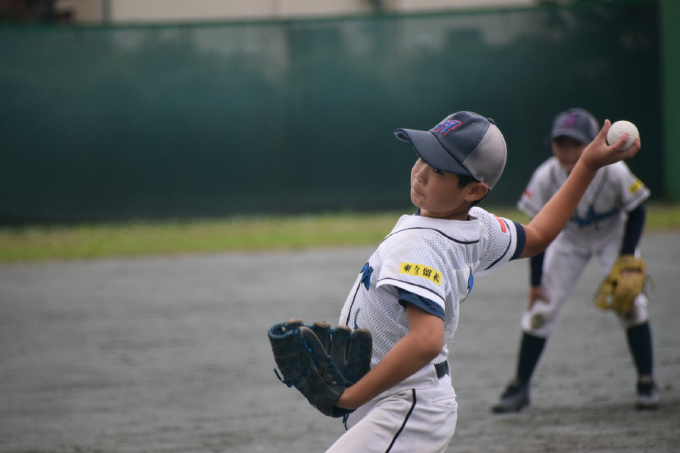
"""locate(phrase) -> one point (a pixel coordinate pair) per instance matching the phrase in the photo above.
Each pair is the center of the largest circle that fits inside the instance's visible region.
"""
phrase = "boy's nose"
(421, 174)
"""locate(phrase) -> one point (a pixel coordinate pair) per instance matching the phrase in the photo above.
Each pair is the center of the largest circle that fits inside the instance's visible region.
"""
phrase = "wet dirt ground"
(171, 355)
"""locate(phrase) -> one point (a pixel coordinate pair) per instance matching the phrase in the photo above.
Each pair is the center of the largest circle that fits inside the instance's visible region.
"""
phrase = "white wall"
(165, 11)
(84, 11)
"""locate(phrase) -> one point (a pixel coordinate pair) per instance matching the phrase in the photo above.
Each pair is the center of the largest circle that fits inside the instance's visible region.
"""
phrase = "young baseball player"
(408, 293)
(607, 223)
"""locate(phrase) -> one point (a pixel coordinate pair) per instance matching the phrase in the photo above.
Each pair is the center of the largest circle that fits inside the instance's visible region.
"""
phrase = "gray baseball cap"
(576, 123)
(464, 143)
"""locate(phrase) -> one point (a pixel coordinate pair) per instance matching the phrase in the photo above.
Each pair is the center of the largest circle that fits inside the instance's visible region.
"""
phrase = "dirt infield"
(171, 355)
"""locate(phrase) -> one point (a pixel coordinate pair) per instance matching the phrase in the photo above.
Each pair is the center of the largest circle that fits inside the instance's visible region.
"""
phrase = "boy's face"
(437, 194)
(568, 151)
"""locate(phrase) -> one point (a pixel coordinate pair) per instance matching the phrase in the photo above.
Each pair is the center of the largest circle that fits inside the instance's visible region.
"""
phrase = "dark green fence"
(222, 119)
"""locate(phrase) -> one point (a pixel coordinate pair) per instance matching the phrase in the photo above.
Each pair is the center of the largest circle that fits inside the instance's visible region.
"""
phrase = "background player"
(608, 222)
(408, 293)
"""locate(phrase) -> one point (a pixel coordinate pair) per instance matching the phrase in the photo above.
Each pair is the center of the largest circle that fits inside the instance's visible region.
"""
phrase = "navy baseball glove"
(319, 361)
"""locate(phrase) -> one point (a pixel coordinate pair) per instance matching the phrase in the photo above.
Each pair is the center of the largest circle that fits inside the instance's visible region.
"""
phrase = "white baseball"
(618, 129)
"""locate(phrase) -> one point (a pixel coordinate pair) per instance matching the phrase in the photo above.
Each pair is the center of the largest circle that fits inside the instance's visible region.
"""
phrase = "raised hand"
(598, 154)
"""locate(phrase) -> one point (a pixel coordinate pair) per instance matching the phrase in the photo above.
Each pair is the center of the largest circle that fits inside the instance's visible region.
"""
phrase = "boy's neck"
(461, 217)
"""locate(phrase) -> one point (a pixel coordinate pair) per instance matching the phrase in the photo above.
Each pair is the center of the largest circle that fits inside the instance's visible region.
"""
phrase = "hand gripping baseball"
(599, 154)
(320, 362)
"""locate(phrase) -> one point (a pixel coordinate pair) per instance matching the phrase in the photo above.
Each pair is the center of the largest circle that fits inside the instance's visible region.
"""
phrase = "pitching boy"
(409, 291)
(607, 223)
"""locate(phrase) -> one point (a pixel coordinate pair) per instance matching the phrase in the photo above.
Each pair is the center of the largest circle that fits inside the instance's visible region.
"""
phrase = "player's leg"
(562, 269)
(421, 420)
(515, 397)
(641, 347)
(638, 329)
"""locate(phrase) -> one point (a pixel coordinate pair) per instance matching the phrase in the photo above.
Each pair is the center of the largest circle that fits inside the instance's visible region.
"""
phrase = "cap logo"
(447, 126)
(570, 120)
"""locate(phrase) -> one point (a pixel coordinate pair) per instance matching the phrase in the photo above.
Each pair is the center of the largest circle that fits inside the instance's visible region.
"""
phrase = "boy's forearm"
(416, 349)
(397, 365)
(550, 220)
(633, 230)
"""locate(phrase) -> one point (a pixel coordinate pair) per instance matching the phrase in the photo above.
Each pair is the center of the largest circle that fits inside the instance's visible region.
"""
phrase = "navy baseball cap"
(576, 123)
(464, 143)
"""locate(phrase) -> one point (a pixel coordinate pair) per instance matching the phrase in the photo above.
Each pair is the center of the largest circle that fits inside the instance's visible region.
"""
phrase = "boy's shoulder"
(455, 230)
(481, 223)
(484, 241)
(501, 240)
(489, 220)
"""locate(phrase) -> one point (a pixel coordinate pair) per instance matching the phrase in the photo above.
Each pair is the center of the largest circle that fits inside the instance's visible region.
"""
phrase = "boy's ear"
(476, 191)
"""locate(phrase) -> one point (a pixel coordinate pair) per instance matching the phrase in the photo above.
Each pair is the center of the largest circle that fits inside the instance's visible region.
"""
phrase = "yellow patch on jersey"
(418, 270)
(637, 185)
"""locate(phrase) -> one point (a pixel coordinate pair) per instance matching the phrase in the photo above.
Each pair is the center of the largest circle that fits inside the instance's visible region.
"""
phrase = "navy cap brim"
(571, 133)
(429, 149)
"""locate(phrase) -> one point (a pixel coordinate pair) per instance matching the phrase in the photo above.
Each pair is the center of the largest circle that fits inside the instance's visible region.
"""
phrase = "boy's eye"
(437, 171)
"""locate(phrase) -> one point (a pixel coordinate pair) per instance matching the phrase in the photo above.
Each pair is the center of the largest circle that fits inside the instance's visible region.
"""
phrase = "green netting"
(222, 119)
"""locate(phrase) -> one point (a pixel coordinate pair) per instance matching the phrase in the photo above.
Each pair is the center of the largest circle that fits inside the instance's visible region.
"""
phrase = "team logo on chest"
(418, 270)
(366, 272)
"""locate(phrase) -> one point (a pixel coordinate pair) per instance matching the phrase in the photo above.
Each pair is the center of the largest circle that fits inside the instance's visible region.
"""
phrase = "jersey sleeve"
(430, 306)
(633, 191)
(537, 192)
(420, 271)
(502, 240)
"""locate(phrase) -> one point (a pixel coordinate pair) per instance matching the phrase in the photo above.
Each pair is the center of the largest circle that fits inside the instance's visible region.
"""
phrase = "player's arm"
(550, 220)
(536, 290)
(416, 349)
(633, 230)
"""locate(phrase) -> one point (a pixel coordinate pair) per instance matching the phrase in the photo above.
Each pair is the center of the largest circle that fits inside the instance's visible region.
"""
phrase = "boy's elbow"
(536, 242)
(534, 249)
(433, 346)
(426, 331)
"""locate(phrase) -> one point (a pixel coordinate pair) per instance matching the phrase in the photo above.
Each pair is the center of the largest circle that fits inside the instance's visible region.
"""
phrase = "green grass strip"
(40, 243)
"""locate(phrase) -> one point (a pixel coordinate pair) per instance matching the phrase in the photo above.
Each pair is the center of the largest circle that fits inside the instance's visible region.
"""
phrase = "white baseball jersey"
(434, 258)
(438, 260)
(613, 192)
(595, 229)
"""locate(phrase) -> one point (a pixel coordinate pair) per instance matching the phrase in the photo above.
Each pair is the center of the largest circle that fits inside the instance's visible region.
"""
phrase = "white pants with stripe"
(410, 420)
(565, 260)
